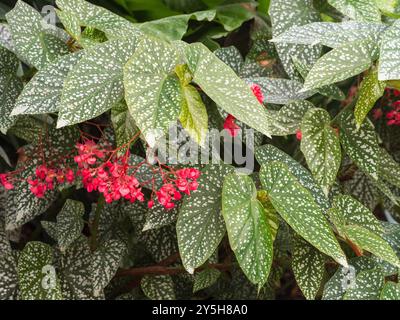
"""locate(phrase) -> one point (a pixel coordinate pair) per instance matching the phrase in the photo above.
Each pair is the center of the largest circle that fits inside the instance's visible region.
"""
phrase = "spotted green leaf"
(193, 116)
(160, 243)
(158, 217)
(158, 287)
(367, 286)
(286, 14)
(36, 274)
(389, 169)
(268, 153)
(248, 228)
(124, 126)
(87, 14)
(359, 10)
(69, 223)
(298, 208)
(389, 59)
(332, 34)
(8, 275)
(390, 291)
(371, 90)
(105, 262)
(321, 147)
(200, 225)
(94, 85)
(205, 279)
(360, 144)
(34, 39)
(308, 266)
(280, 91)
(223, 86)
(152, 90)
(341, 63)
(10, 87)
(42, 94)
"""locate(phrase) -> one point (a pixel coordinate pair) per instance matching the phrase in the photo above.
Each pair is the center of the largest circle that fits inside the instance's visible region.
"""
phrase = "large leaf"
(286, 14)
(152, 90)
(321, 147)
(35, 40)
(200, 225)
(42, 94)
(105, 262)
(158, 287)
(124, 126)
(359, 10)
(361, 144)
(248, 228)
(308, 266)
(227, 90)
(297, 207)
(371, 90)
(36, 273)
(332, 34)
(341, 63)
(389, 59)
(10, 87)
(94, 85)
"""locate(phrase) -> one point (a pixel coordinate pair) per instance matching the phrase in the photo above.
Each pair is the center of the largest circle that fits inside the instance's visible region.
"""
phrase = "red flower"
(257, 92)
(231, 126)
(299, 135)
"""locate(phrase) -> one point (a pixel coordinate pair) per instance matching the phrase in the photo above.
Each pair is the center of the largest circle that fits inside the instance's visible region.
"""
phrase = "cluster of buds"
(230, 125)
(389, 107)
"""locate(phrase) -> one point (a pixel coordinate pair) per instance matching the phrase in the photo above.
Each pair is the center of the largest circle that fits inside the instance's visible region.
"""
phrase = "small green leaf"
(152, 90)
(34, 39)
(371, 90)
(341, 63)
(390, 291)
(308, 266)
(36, 273)
(321, 147)
(368, 286)
(194, 117)
(158, 217)
(95, 85)
(200, 225)
(359, 10)
(297, 207)
(205, 279)
(158, 287)
(124, 126)
(248, 228)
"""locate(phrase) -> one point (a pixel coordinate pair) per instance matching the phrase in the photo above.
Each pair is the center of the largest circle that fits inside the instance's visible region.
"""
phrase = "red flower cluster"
(5, 182)
(391, 107)
(45, 179)
(186, 181)
(230, 124)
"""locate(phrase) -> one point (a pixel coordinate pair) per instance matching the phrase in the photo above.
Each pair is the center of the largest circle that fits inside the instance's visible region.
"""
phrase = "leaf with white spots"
(342, 63)
(286, 14)
(280, 91)
(34, 40)
(332, 34)
(94, 85)
(389, 169)
(248, 229)
(8, 275)
(10, 87)
(371, 90)
(389, 59)
(105, 262)
(194, 117)
(225, 88)
(308, 266)
(158, 287)
(124, 126)
(69, 223)
(42, 94)
(297, 207)
(200, 225)
(269, 153)
(5, 37)
(158, 217)
(87, 14)
(36, 273)
(205, 279)
(361, 145)
(359, 10)
(152, 90)
(367, 286)
(390, 291)
(321, 147)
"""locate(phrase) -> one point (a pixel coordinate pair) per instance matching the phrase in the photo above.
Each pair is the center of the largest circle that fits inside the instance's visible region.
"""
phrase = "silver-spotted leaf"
(389, 59)
(359, 10)
(158, 287)
(390, 291)
(367, 286)
(205, 279)
(124, 126)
